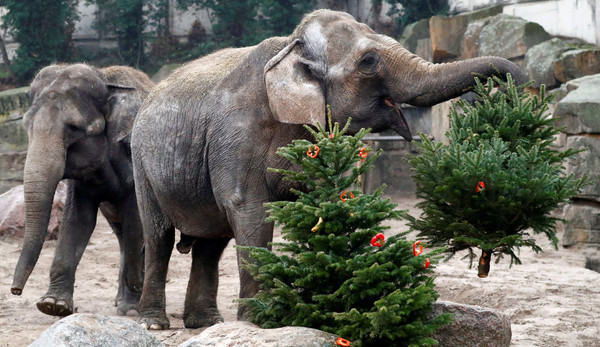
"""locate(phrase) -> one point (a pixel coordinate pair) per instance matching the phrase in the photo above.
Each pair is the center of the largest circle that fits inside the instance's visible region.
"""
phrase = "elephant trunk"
(420, 83)
(44, 168)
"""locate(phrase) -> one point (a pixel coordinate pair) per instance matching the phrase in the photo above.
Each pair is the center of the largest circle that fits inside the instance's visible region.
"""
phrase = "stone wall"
(579, 113)
(13, 137)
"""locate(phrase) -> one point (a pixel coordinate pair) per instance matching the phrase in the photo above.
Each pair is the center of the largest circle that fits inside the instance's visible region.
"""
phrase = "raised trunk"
(421, 83)
(44, 167)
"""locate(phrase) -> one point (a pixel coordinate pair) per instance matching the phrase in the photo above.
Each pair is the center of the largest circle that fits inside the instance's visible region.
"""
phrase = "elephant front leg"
(201, 297)
(78, 222)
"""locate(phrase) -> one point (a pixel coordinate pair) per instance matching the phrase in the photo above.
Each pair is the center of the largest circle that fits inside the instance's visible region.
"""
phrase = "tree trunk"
(484, 264)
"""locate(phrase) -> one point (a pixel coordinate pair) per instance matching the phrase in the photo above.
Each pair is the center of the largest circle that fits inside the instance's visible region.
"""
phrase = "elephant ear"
(295, 96)
(122, 106)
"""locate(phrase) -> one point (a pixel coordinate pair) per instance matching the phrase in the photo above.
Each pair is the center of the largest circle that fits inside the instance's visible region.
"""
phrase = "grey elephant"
(79, 127)
(221, 118)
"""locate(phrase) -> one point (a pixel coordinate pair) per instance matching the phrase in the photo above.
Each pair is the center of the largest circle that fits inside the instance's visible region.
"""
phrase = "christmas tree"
(499, 177)
(335, 270)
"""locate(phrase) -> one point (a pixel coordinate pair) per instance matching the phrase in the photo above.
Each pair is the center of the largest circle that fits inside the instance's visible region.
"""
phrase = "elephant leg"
(159, 238)
(130, 236)
(78, 222)
(250, 229)
(201, 297)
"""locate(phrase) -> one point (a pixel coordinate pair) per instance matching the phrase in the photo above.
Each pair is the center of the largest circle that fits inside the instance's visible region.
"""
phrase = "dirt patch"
(551, 300)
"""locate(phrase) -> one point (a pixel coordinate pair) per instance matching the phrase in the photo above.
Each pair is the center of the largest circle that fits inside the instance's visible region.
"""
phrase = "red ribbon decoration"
(330, 136)
(426, 263)
(342, 342)
(313, 153)
(375, 240)
(344, 193)
(415, 248)
(480, 187)
(363, 154)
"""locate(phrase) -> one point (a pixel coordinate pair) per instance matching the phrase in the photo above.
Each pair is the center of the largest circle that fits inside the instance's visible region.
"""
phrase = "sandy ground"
(552, 300)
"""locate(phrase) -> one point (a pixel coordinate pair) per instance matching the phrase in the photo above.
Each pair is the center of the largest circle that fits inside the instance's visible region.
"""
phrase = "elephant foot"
(55, 306)
(202, 319)
(158, 321)
(127, 308)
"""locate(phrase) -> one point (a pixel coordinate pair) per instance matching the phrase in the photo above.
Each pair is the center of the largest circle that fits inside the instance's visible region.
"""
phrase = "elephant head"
(70, 128)
(334, 60)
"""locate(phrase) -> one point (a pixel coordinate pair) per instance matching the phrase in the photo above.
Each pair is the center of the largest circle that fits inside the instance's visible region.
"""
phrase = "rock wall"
(579, 113)
(13, 137)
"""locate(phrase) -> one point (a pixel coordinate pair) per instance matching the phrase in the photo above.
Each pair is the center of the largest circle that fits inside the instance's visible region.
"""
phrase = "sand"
(551, 300)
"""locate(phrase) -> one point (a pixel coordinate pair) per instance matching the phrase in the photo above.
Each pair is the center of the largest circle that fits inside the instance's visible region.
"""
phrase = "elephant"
(221, 118)
(79, 127)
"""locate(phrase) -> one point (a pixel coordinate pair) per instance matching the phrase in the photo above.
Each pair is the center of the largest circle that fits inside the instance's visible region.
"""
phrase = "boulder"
(447, 33)
(540, 59)
(12, 213)
(584, 164)
(583, 227)
(510, 37)
(579, 110)
(593, 262)
(470, 43)
(472, 326)
(86, 329)
(577, 63)
(246, 334)
(413, 33)
(471, 323)
(12, 165)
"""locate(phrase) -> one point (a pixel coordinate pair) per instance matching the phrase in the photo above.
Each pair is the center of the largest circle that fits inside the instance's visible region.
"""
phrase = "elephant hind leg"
(159, 238)
(201, 297)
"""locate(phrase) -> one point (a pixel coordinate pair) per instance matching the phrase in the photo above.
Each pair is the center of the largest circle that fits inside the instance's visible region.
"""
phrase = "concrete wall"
(570, 18)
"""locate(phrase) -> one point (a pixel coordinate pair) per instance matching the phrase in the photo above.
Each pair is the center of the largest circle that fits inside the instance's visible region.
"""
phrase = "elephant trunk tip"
(16, 290)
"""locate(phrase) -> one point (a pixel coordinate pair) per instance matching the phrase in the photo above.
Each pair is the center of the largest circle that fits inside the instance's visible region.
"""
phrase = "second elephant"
(79, 128)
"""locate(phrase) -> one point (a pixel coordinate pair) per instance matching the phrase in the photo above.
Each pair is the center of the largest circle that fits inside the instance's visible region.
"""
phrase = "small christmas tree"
(499, 175)
(336, 271)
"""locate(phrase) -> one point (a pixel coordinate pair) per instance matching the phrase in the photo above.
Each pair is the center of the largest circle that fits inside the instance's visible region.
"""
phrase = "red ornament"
(342, 342)
(344, 193)
(426, 263)
(330, 136)
(313, 152)
(363, 154)
(415, 248)
(375, 240)
(480, 187)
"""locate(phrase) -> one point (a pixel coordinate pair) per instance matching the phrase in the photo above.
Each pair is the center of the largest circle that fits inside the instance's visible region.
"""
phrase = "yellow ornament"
(318, 225)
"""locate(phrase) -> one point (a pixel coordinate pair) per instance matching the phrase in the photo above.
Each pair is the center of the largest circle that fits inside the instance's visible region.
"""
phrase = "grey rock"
(12, 213)
(12, 165)
(510, 37)
(472, 326)
(592, 263)
(470, 44)
(413, 33)
(244, 334)
(579, 111)
(577, 63)
(86, 329)
(585, 163)
(583, 227)
(540, 59)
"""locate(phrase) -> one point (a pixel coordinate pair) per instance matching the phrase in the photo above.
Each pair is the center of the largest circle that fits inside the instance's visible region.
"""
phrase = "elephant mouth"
(399, 124)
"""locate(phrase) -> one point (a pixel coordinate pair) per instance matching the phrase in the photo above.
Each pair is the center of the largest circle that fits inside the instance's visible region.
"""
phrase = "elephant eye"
(369, 63)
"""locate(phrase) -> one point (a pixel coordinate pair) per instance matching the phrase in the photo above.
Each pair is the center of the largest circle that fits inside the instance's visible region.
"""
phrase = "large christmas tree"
(335, 270)
(498, 180)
